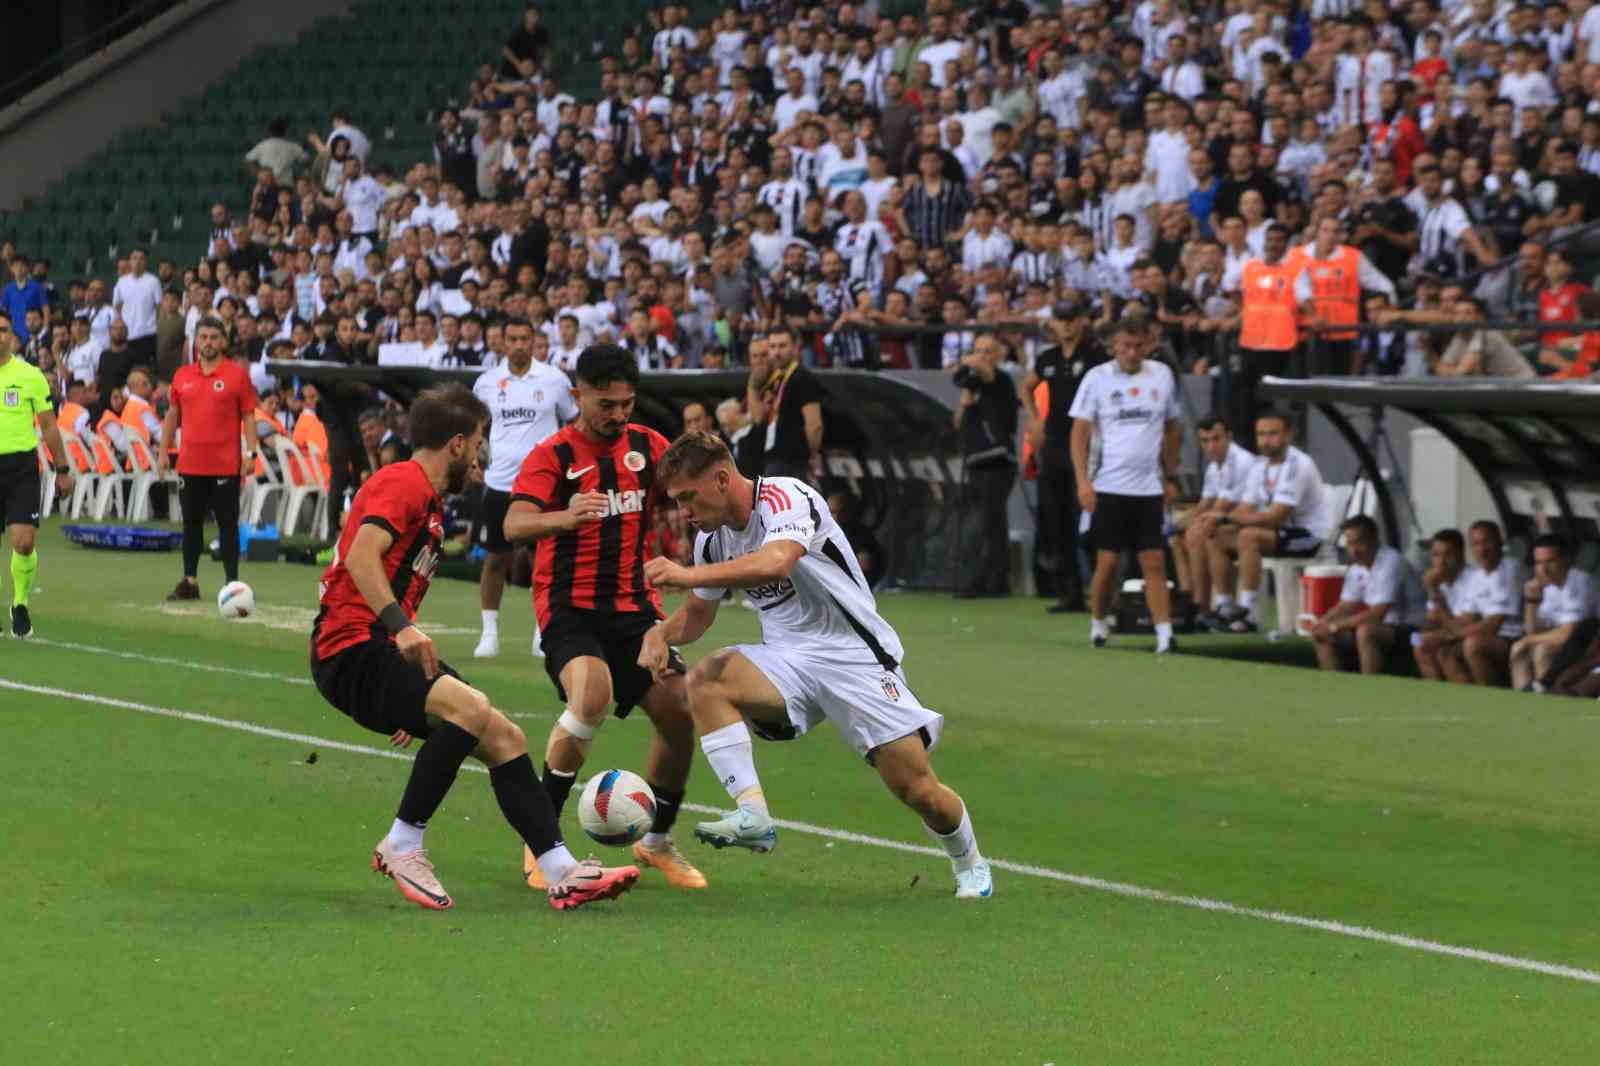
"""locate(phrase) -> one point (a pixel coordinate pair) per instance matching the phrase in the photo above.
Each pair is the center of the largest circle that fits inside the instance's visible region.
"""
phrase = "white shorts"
(868, 705)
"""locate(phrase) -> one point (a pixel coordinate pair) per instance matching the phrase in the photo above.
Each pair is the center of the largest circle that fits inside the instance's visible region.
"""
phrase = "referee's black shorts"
(1127, 523)
(20, 488)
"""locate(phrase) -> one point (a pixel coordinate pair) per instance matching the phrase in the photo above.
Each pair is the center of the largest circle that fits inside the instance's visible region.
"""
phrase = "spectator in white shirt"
(135, 299)
(1227, 476)
(1555, 600)
(788, 108)
(1167, 156)
(277, 153)
(1181, 76)
(1381, 603)
(984, 243)
(363, 197)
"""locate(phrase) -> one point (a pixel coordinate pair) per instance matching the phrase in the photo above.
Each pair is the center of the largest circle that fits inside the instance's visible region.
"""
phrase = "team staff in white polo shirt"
(528, 400)
(1468, 605)
(1382, 602)
(1283, 513)
(1132, 403)
(1555, 600)
(1227, 477)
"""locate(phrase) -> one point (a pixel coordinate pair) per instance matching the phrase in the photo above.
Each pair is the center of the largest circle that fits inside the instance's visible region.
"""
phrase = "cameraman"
(987, 421)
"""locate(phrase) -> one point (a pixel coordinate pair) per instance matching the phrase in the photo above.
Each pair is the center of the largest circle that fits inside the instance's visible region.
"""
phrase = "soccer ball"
(236, 600)
(617, 807)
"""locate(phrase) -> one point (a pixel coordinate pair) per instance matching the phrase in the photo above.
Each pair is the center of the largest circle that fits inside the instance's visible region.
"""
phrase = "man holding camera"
(986, 418)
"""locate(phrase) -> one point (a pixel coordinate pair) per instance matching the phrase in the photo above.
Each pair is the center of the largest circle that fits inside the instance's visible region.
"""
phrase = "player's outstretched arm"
(688, 624)
(773, 561)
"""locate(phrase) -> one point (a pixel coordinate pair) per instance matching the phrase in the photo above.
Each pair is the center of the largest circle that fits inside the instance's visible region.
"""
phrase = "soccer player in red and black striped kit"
(369, 660)
(586, 495)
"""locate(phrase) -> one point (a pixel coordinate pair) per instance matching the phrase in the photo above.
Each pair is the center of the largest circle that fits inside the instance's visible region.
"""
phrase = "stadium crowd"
(1237, 177)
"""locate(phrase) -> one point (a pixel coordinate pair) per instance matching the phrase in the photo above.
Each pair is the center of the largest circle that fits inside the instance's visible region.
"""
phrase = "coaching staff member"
(212, 402)
(986, 418)
(787, 399)
(1062, 367)
(1132, 403)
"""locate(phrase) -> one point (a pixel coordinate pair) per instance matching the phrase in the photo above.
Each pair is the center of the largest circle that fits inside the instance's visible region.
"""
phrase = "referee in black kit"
(1077, 351)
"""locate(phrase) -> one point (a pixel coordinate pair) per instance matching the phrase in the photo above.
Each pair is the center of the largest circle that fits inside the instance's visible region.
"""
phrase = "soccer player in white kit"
(825, 653)
(527, 400)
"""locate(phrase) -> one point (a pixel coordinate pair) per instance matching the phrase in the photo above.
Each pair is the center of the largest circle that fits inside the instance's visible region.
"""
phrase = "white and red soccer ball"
(617, 807)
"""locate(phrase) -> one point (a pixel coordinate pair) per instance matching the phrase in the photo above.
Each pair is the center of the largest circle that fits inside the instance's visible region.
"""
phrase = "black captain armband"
(394, 619)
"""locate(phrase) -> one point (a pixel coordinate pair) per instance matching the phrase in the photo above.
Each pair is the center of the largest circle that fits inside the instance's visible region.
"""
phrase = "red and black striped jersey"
(401, 500)
(600, 566)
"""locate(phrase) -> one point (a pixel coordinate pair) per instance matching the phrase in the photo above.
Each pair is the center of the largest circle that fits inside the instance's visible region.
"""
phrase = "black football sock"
(667, 804)
(434, 771)
(524, 803)
(558, 786)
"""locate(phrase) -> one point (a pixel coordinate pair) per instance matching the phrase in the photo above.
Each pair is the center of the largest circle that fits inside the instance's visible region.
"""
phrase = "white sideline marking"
(1119, 888)
(238, 671)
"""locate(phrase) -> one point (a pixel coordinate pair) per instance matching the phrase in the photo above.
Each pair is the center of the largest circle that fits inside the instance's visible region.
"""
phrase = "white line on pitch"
(237, 671)
(1097, 884)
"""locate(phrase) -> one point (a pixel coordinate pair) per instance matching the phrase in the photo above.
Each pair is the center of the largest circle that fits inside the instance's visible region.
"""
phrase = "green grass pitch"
(184, 892)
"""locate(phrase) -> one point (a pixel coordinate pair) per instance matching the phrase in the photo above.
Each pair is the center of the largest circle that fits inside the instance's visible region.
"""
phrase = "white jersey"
(1297, 483)
(525, 410)
(1391, 580)
(824, 607)
(1130, 412)
(1226, 481)
(1496, 592)
(1564, 604)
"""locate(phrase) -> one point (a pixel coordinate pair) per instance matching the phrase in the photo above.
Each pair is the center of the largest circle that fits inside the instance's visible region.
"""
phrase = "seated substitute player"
(1228, 469)
(1283, 514)
(369, 660)
(1498, 579)
(1554, 601)
(825, 652)
(587, 496)
(24, 403)
(1382, 602)
(1468, 606)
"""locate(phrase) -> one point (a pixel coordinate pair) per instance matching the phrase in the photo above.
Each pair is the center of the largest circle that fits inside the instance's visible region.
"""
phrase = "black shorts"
(377, 687)
(492, 520)
(1294, 542)
(201, 496)
(20, 488)
(614, 637)
(1127, 523)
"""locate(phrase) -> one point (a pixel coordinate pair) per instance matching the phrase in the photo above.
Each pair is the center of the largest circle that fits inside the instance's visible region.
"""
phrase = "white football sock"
(733, 760)
(1224, 602)
(961, 844)
(1100, 627)
(491, 622)
(555, 863)
(655, 840)
(1247, 599)
(403, 837)
(1163, 634)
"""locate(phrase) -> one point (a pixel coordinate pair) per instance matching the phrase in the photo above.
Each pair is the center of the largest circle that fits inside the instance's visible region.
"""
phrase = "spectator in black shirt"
(1062, 367)
(526, 47)
(986, 418)
(1243, 176)
(1171, 306)
(786, 399)
(1386, 230)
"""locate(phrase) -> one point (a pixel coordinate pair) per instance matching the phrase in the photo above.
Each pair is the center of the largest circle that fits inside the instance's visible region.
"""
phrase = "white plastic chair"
(261, 490)
(47, 481)
(319, 520)
(80, 453)
(109, 489)
(292, 460)
(143, 467)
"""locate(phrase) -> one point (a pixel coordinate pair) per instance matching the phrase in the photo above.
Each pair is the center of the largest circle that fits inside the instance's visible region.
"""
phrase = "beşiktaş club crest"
(634, 461)
(891, 689)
